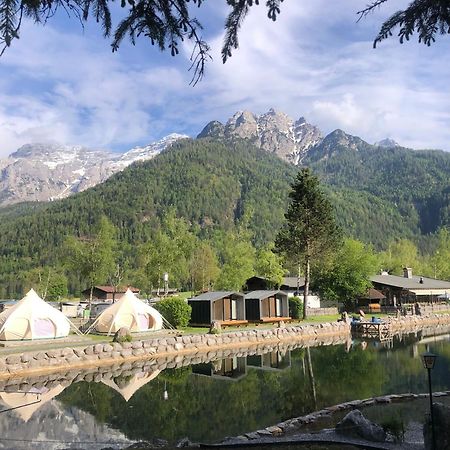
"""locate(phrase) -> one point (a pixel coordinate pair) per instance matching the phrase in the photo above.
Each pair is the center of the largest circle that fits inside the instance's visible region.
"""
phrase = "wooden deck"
(233, 323)
(372, 330)
(274, 319)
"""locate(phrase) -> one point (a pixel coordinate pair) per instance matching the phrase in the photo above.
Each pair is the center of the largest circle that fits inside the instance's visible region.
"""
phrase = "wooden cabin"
(370, 301)
(288, 285)
(226, 307)
(105, 293)
(266, 306)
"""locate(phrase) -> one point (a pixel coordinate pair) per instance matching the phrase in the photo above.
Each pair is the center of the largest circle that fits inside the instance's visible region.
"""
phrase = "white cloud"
(314, 61)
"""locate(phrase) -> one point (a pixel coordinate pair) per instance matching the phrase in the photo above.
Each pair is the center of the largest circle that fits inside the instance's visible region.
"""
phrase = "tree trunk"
(312, 380)
(306, 291)
(91, 294)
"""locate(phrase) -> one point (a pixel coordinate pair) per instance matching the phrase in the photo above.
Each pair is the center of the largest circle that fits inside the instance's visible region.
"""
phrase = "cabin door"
(226, 309)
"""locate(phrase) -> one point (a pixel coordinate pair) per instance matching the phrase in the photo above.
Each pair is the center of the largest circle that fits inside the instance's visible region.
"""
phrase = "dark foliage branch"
(166, 23)
(424, 17)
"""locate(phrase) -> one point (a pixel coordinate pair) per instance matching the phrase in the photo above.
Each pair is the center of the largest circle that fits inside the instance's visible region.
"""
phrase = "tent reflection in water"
(127, 387)
(129, 312)
(33, 318)
(25, 404)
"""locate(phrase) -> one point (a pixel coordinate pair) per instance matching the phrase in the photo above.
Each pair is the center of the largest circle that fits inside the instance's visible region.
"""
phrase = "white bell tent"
(129, 312)
(33, 318)
(25, 404)
(128, 388)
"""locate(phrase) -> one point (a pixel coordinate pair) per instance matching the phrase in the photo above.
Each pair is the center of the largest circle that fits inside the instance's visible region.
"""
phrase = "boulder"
(121, 334)
(354, 424)
(216, 327)
(441, 415)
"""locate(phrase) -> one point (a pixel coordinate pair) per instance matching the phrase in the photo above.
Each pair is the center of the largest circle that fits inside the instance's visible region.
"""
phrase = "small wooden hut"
(225, 307)
(266, 306)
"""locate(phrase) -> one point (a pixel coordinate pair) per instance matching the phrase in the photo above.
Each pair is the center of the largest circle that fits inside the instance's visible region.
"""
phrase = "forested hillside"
(209, 184)
(223, 186)
(412, 183)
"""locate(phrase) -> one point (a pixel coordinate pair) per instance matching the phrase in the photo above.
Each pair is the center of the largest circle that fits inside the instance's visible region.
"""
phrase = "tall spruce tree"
(310, 229)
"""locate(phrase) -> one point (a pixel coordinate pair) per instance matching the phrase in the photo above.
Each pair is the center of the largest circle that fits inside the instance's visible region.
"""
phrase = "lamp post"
(429, 360)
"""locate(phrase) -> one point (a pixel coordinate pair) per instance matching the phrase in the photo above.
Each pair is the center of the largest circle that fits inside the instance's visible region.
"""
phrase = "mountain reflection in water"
(210, 398)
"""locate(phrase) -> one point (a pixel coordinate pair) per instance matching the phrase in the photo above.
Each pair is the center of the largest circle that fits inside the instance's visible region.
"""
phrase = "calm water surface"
(207, 402)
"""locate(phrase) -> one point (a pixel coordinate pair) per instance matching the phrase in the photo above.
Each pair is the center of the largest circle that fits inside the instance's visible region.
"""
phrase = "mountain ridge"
(47, 172)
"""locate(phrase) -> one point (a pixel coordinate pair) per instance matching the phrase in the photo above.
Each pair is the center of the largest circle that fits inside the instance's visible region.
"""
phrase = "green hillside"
(415, 183)
(379, 194)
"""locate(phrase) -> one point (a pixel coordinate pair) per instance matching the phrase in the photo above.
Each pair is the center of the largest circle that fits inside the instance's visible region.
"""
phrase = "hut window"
(233, 309)
(278, 307)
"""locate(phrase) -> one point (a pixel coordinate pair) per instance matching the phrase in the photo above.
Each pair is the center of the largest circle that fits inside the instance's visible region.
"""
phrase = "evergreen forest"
(219, 205)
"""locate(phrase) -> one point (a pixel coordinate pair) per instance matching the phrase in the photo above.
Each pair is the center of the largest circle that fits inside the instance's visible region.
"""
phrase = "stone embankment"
(178, 347)
(411, 324)
(295, 425)
(182, 346)
(26, 380)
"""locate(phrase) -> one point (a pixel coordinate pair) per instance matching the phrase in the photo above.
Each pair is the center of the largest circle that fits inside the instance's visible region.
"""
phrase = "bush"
(175, 310)
(395, 426)
(296, 307)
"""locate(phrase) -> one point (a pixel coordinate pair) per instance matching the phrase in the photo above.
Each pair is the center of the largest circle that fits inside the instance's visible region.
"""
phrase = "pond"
(209, 401)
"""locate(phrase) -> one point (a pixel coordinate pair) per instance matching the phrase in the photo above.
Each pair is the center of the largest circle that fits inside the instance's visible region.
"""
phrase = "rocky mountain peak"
(213, 129)
(387, 143)
(273, 131)
(43, 172)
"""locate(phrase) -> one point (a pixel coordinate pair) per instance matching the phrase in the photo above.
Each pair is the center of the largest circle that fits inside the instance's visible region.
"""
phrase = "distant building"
(105, 293)
(410, 288)
(288, 285)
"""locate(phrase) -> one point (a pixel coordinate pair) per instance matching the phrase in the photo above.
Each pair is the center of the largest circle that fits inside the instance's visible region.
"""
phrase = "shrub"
(175, 310)
(395, 426)
(296, 307)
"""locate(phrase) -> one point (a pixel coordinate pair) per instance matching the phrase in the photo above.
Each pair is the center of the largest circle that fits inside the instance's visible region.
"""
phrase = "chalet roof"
(373, 294)
(413, 283)
(262, 294)
(215, 295)
(118, 290)
(291, 282)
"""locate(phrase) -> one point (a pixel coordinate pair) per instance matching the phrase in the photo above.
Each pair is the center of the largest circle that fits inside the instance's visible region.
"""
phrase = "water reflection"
(276, 360)
(270, 384)
(126, 386)
(25, 404)
(225, 369)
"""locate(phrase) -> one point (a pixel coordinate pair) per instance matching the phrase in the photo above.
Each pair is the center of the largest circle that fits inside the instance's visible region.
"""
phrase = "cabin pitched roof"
(262, 294)
(215, 295)
(291, 282)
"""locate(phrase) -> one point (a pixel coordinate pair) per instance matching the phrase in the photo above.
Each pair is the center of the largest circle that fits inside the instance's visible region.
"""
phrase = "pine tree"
(310, 229)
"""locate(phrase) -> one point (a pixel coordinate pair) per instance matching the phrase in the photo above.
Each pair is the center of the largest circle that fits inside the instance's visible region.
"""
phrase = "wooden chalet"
(371, 301)
(266, 306)
(410, 288)
(105, 293)
(288, 285)
(227, 307)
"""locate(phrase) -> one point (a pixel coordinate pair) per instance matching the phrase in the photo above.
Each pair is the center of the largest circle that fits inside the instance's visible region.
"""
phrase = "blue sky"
(62, 84)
